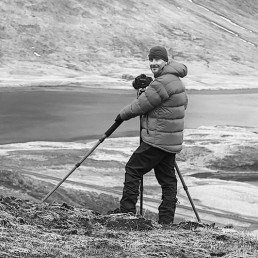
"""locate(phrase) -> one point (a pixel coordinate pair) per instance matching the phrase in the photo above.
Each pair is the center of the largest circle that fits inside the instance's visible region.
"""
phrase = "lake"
(69, 115)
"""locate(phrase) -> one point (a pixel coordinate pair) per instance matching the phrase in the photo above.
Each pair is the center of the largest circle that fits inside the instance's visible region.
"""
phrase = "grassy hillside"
(72, 38)
(37, 230)
(30, 228)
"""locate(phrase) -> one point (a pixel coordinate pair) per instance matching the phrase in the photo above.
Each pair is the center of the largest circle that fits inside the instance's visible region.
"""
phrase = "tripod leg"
(101, 139)
(186, 190)
(141, 197)
(141, 185)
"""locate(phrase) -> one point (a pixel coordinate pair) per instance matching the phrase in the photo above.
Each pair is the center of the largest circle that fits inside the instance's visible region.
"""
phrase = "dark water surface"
(59, 116)
(69, 115)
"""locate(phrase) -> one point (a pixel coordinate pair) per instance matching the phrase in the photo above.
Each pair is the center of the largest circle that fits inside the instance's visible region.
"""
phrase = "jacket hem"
(159, 147)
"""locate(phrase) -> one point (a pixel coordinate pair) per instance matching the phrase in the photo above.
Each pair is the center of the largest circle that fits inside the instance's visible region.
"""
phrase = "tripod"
(101, 139)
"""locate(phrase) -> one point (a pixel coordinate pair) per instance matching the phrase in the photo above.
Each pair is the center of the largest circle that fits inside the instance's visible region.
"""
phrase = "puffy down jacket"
(162, 107)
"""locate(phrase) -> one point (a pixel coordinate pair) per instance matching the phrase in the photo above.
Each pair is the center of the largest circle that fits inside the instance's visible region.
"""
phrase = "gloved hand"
(119, 119)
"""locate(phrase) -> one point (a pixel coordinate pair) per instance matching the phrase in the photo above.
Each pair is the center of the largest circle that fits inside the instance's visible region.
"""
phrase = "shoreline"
(237, 176)
(125, 90)
(80, 138)
(248, 176)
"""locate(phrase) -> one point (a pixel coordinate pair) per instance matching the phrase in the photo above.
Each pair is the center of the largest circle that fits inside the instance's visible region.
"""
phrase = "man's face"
(156, 65)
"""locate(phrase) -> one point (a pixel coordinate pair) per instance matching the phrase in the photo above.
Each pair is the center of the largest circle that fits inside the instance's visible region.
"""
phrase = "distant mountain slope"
(70, 37)
(244, 8)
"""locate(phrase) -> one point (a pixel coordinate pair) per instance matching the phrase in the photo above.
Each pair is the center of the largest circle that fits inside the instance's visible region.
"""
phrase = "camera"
(141, 82)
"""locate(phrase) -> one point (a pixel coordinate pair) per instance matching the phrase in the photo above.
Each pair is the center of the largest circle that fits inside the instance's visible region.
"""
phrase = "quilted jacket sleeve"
(153, 96)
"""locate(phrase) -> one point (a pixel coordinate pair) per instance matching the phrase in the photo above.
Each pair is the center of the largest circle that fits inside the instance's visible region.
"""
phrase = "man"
(162, 109)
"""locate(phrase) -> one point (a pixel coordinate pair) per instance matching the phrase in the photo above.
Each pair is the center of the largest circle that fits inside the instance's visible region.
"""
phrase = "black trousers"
(143, 160)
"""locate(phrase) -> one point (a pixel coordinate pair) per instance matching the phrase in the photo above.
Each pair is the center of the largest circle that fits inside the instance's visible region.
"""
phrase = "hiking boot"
(119, 211)
(116, 211)
(165, 222)
(167, 210)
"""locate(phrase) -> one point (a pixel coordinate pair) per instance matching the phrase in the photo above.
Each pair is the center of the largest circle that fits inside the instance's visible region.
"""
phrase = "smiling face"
(156, 65)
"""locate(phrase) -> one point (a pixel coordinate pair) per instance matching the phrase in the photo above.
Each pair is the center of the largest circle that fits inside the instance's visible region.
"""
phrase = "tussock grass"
(43, 230)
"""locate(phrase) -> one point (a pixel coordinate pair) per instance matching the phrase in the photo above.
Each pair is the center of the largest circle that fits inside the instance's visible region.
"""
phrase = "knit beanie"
(158, 53)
